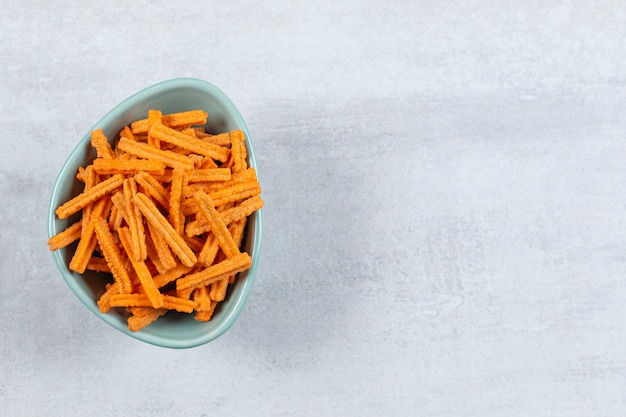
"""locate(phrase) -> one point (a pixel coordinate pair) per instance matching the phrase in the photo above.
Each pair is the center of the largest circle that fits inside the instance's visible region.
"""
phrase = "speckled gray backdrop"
(445, 187)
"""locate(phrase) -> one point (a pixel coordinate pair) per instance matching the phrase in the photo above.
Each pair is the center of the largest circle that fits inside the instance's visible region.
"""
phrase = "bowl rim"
(113, 114)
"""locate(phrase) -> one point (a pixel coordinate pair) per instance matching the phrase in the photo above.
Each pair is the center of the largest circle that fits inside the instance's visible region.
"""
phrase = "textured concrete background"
(445, 222)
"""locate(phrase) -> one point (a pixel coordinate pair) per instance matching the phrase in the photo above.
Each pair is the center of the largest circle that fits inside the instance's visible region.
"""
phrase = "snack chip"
(163, 213)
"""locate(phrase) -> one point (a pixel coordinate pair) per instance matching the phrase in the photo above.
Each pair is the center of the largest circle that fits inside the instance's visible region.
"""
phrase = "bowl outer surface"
(175, 330)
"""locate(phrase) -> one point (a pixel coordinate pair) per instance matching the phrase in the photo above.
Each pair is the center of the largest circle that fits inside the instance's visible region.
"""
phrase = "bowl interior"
(174, 330)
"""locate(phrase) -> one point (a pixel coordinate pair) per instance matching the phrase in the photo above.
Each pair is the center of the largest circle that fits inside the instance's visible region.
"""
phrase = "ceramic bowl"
(174, 330)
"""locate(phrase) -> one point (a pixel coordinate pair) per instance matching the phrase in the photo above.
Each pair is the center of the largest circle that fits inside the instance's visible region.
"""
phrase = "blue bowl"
(174, 330)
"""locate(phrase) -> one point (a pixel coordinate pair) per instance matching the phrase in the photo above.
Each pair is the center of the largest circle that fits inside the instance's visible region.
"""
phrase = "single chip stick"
(238, 151)
(218, 227)
(207, 314)
(112, 255)
(174, 120)
(214, 272)
(209, 175)
(104, 302)
(218, 289)
(169, 135)
(145, 278)
(154, 117)
(127, 166)
(136, 323)
(143, 150)
(100, 142)
(165, 229)
(83, 199)
(176, 216)
(68, 235)
(141, 300)
(138, 232)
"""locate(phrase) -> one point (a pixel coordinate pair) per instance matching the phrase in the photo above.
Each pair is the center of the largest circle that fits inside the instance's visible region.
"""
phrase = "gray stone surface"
(445, 221)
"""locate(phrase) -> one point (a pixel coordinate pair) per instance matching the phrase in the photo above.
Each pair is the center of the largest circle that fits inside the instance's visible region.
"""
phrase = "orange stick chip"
(133, 251)
(112, 255)
(207, 314)
(67, 236)
(189, 132)
(87, 197)
(141, 300)
(238, 212)
(209, 251)
(222, 139)
(88, 240)
(154, 117)
(176, 216)
(174, 120)
(115, 218)
(209, 175)
(238, 150)
(91, 179)
(202, 299)
(119, 204)
(243, 209)
(104, 302)
(136, 323)
(161, 280)
(128, 166)
(143, 150)
(98, 264)
(165, 229)
(135, 222)
(218, 289)
(247, 175)
(169, 135)
(145, 278)
(127, 133)
(219, 229)
(81, 175)
(100, 142)
(244, 153)
(208, 163)
(153, 256)
(214, 272)
(221, 196)
(237, 230)
(235, 193)
(85, 248)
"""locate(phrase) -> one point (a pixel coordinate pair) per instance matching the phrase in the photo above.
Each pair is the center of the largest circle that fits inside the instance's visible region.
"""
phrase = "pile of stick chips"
(164, 212)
